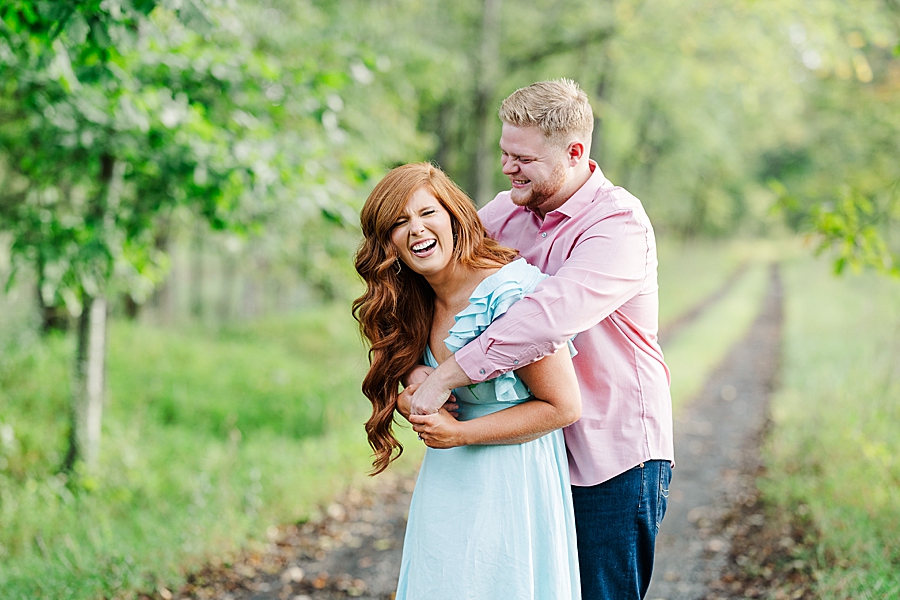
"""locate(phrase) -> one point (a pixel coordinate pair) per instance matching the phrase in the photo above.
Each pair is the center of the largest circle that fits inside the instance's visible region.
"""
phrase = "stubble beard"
(541, 191)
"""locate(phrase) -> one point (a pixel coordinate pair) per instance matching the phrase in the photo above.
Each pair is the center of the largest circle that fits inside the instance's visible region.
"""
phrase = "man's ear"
(575, 152)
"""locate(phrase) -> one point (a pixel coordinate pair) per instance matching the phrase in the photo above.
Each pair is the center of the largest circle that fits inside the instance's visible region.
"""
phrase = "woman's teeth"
(423, 246)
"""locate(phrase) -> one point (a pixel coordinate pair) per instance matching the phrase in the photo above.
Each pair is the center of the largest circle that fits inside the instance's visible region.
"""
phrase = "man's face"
(537, 170)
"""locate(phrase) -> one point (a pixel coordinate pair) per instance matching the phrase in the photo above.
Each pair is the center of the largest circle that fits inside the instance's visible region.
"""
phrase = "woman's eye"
(428, 212)
(398, 224)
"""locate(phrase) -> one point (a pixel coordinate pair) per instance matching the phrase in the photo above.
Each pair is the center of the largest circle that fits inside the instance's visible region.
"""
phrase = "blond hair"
(559, 108)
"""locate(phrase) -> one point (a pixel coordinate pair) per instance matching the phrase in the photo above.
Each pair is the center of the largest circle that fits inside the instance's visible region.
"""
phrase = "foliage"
(760, 102)
(839, 177)
(145, 106)
(730, 105)
(214, 111)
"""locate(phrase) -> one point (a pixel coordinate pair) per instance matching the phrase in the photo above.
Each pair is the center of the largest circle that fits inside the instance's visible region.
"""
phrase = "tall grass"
(691, 270)
(209, 438)
(834, 453)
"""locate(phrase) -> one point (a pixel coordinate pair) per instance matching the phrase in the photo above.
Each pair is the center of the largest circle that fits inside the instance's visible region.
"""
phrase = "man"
(596, 242)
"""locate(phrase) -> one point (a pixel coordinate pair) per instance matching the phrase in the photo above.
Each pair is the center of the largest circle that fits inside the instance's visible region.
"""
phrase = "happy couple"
(547, 470)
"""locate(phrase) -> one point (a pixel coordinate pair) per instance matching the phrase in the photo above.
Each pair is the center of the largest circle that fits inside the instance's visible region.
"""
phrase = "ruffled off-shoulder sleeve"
(490, 300)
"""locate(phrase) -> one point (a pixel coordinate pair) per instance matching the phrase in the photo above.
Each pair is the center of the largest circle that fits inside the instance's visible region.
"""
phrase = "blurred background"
(179, 189)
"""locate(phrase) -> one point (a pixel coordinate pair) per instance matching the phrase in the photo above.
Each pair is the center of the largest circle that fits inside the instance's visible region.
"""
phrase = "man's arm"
(557, 403)
(438, 386)
(607, 267)
(411, 381)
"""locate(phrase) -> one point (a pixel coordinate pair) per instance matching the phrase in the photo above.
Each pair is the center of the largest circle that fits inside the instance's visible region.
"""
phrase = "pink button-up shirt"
(600, 250)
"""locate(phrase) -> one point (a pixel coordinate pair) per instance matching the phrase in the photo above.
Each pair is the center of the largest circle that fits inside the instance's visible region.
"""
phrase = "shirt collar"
(585, 194)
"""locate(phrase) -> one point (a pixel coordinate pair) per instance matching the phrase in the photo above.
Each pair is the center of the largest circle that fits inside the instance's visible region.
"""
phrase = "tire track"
(683, 321)
(717, 439)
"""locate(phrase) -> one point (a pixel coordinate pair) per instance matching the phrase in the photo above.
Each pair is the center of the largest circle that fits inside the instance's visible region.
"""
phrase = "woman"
(486, 521)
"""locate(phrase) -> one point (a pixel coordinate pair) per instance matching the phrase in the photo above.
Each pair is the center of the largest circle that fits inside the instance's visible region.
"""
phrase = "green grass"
(834, 453)
(689, 271)
(209, 438)
(698, 350)
(287, 376)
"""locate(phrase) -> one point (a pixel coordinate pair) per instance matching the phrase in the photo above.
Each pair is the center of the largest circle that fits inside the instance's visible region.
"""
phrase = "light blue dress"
(491, 522)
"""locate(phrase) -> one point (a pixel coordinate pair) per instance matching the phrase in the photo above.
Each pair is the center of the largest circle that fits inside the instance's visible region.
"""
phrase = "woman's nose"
(416, 225)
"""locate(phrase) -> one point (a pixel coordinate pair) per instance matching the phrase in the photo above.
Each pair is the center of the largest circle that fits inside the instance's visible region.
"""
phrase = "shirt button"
(544, 234)
(481, 371)
(515, 362)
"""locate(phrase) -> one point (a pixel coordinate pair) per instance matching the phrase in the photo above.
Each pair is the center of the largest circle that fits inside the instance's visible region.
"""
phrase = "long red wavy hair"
(396, 311)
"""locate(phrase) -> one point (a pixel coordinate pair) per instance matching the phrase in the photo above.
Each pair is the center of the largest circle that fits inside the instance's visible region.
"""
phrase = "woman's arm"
(557, 403)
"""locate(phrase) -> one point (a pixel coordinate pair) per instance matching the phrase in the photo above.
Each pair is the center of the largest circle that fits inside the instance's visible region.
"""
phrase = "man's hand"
(418, 374)
(404, 398)
(410, 382)
(439, 430)
(432, 393)
(406, 395)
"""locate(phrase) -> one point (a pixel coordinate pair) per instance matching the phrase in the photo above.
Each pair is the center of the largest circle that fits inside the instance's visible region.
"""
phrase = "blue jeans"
(617, 522)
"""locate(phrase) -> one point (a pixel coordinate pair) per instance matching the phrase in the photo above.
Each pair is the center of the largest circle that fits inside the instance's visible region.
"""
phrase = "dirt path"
(717, 456)
(353, 550)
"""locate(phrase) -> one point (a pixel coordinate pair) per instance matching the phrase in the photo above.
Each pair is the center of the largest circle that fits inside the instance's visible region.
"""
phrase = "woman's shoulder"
(518, 275)
(491, 299)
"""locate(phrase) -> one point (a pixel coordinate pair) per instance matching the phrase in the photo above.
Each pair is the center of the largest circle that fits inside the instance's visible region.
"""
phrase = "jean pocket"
(662, 500)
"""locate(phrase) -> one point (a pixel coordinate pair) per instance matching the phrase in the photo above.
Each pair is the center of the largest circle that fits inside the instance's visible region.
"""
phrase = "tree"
(840, 179)
(110, 118)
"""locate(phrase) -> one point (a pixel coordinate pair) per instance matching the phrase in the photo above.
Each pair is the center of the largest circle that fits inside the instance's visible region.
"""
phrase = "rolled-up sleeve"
(607, 266)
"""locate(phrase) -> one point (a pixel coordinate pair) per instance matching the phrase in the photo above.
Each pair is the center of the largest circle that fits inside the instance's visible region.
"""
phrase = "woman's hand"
(440, 429)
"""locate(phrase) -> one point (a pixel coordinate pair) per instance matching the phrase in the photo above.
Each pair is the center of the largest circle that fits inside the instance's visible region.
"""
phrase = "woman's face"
(423, 234)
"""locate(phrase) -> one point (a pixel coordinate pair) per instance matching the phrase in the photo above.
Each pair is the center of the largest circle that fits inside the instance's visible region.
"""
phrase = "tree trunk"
(90, 355)
(226, 295)
(600, 96)
(53, 318)
(132, 308)
(89, 384)
(486, 160)
(196, 271)
(163, 298)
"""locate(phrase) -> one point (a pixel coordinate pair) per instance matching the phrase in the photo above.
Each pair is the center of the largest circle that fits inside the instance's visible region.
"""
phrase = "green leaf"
(77, 30)
(100, 34)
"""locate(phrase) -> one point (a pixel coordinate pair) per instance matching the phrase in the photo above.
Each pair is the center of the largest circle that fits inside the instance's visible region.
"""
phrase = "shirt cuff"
(472, 360)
